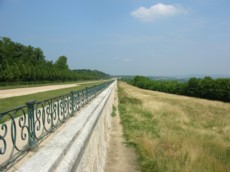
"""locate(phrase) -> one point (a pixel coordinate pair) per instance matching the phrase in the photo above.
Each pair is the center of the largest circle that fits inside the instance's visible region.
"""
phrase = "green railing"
(23, 128)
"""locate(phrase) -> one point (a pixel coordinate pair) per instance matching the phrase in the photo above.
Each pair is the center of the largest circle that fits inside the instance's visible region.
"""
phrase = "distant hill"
(126, 77)
(185, 78)
(168, 78)
(181, 78)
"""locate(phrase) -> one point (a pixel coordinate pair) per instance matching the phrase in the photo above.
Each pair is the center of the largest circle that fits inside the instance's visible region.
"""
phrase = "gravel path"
(31, 90)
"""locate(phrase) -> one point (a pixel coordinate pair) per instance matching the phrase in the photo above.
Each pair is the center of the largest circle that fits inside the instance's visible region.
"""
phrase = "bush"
(208, 88)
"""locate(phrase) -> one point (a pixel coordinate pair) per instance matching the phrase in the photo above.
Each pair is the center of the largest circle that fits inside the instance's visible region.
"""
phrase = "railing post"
(87, 97)
(31, 124)
(77, 101)
(72, 102)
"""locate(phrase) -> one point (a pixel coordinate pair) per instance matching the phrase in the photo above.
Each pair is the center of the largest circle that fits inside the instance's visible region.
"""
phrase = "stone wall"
(94, 156)
(81, 144)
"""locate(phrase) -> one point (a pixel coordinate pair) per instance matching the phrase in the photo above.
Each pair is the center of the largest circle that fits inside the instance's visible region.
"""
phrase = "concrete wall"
(81, 145)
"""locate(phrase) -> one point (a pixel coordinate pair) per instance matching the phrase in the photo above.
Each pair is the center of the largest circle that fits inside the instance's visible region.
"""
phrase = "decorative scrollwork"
(2, 139)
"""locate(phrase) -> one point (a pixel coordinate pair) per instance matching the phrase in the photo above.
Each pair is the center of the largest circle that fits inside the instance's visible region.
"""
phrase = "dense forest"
(20, 63)
(208, 88)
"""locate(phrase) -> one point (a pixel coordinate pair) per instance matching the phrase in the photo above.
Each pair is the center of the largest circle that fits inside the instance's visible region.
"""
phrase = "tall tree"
(61, 63)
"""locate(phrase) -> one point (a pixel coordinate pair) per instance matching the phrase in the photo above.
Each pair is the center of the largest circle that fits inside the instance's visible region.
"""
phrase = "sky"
(125, 37)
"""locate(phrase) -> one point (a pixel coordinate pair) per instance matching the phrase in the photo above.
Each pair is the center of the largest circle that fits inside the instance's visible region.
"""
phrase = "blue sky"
(145, 37)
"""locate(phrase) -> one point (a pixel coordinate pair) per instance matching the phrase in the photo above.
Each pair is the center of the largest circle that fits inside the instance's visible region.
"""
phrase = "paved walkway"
(31, 90)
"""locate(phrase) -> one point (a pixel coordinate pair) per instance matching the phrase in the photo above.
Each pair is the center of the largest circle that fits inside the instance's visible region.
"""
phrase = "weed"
(114, 109)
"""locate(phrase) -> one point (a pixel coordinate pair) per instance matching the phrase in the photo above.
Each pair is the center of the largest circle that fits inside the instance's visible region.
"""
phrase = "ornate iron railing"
(22, 128)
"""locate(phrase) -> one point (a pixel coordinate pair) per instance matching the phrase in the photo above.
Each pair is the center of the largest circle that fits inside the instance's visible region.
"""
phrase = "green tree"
(1, 73)
(16, 72)
(26, 63)
(193, 87)
(38, 56)
(8, 73)
(61, 63)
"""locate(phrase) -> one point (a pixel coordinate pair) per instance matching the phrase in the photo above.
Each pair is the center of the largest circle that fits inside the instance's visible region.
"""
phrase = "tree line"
(207, 87)
(26, 63)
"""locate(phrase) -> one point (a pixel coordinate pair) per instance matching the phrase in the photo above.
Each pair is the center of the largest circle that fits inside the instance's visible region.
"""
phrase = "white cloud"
(157, 11)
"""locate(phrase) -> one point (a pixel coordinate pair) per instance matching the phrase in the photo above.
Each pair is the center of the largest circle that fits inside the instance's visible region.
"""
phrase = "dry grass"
(176, 133)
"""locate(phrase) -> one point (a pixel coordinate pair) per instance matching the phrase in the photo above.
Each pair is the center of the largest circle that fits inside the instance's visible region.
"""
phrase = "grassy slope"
(175, 133)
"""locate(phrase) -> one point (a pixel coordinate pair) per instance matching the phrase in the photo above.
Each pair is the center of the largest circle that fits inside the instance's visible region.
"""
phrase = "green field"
(13, 102)
(175, 133)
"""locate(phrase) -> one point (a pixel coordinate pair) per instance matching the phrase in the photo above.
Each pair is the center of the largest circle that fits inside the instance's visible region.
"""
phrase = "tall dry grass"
(175, 133)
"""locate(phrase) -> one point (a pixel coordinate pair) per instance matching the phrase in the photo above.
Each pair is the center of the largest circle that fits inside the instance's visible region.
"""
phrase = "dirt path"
(120, 157)
(31, 90)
